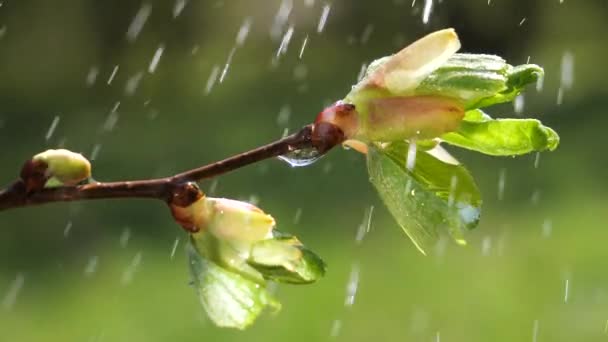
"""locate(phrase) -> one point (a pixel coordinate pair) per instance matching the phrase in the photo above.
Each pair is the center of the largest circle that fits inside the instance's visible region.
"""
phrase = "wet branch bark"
(165, 189)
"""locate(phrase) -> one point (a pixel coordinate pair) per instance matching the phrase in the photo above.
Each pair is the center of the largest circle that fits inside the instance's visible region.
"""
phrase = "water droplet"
(566, 290)
(297, 216)
(410, 161)
(179, 7)
(175, 243)
(547, 228)
(227, 64)
(540, 82)
(336, 326)
(426, 12)
(156, 58)
(301, 157)
(285, 42)
(138, 22)
(124, 237)
(284, 114)
(536, 160)
(523, 20)
(366, 225)
(567, 70)
(52, 128)
(502, 176)
(304, 42)
(113, 74)
(13, 291)
(362, 72)
(535, 331)
(367, 32)
(129, 272)
(212, 78)
(280, 19)
(486, 245)
(323, 18)
(518, 104)
(91, 266)
(243, 31)
(352, 285)
(133, 83)
(95, 152)
(92, 75)
(67, 229)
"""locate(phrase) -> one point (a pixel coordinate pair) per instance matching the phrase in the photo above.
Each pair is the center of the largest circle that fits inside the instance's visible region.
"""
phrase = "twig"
(177, 188)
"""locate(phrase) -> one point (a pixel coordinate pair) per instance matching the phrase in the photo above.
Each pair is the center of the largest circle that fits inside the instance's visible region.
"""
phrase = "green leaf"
(284, 259)
(433, 194)
(502, 137)
(479, 80)
(230, 299)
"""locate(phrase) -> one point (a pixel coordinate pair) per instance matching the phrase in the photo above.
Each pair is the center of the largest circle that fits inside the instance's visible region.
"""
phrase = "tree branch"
(165, 189)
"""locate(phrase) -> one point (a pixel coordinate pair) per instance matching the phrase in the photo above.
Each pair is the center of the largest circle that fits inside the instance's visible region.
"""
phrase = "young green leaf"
(284, 259)
(230, 299)
(432, 194)
(502, 137)
(479, 80)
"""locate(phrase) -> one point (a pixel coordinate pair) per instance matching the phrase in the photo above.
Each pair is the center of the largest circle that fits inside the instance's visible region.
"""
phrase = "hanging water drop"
(301, 157)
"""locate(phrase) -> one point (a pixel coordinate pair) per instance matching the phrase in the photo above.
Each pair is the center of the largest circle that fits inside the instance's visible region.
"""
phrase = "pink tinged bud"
(403, 71)
(399, 118)
(342, 115)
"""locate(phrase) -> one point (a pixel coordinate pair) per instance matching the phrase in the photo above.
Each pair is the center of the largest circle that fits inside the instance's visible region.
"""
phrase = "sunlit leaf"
(502, 137)
(284, 259)
(434, 193)
(230, 299)
(479, 80)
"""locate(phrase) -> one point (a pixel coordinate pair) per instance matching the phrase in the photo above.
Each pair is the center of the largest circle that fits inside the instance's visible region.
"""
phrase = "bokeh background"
(534, 269)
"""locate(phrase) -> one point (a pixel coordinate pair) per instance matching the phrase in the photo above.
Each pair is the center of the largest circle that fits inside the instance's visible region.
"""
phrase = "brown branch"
(166, 189)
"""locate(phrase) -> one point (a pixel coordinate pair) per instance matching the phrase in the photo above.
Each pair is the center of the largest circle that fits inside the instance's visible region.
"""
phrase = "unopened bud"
(55, 168)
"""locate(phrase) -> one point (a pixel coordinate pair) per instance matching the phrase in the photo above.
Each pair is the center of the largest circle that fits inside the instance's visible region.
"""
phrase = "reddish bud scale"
(34, 175)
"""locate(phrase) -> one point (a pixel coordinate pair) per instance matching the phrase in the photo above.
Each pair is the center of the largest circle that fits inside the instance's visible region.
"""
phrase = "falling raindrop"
(336, 326)
(297, 216)
(284, 114)
(540, 82)
(365, 226)
(95, 152)
(112, 118)
(304, 42)
(502, 177)
(352, 286)
(536, 160)
(52, 128)
(129, 272)
(13, 291)
(523, 20)
(138, 22)
(300, 72)
(91, 266)
(212, 78)
(361, 72)
(124, 237)
(438, 337)
(535, 331)
(285, 42)
(113, 74)
(178, 7)
(410, 160)
(560, 96)
(175, 243)
(213, 187)
(227, 64)
(243, 32)
(156, 58)
(547, 228)
(566, 290)
(518, 104)
(301, 157)
(426, 12)
(2, 31)
(535, 199)
(567, 70)
(92, 75)
(323, 18)
(280, 19)
(367, 32)
(67, 229)
(133, 83)
(486, 245)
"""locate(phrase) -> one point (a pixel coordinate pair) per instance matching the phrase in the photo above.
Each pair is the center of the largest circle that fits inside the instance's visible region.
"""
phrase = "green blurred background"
(534, 269)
